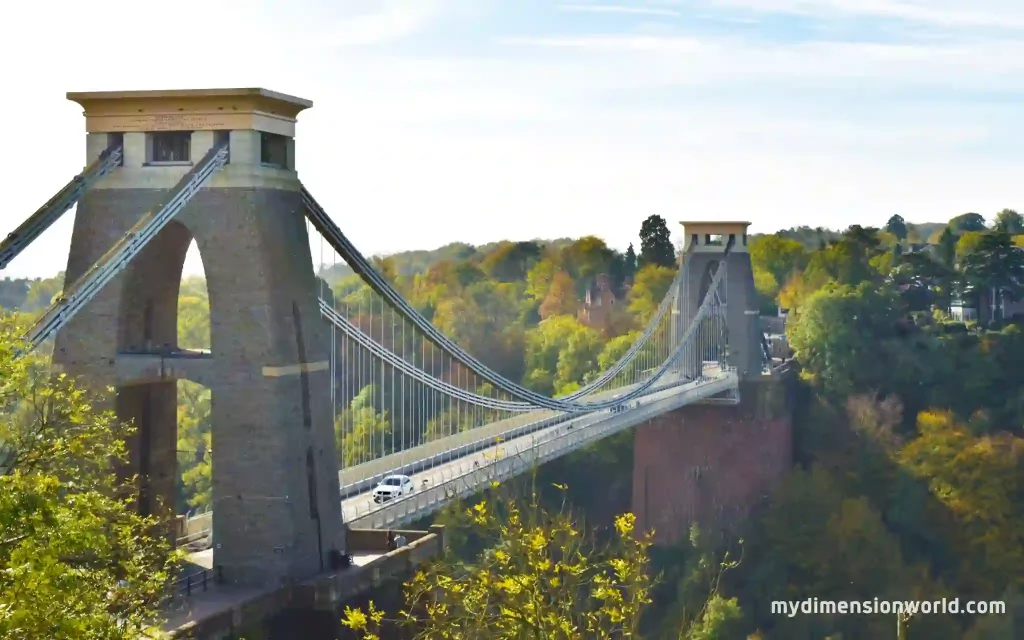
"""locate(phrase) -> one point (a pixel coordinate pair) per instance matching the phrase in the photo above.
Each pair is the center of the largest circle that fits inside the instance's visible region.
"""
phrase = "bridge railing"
(466, 478)
(199, 581)
(361, 478)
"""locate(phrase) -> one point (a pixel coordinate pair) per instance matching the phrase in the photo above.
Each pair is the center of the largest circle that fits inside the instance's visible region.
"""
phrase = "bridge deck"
(434, 487)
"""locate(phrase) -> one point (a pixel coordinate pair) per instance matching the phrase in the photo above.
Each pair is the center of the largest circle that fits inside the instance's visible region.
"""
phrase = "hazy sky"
(476, 120)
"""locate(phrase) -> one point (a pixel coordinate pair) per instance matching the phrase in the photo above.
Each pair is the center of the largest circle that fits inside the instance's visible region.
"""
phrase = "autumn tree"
(76, 559)
(540, 575)
(511, 260)
(561, 297)
(775, 260)
(656, 243)
(980, 480)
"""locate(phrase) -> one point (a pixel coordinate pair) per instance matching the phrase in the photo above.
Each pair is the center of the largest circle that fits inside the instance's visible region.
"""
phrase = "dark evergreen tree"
(656, 243)
(630, 262)
(897, 226)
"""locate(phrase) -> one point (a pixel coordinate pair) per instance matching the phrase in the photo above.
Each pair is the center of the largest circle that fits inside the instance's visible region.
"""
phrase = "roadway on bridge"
(360, 505)
(360, 510)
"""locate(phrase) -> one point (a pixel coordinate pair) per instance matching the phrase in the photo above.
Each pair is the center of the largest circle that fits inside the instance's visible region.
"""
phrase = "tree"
(947, 248)
(630, 262)
(967, 222)
(561, 298)
(539, 576)
(649, 289)
(195, 454)
(840, 336)
(511, 260)
(560, 352)
(995, 263)
(1009, 221)
(76, 560)
(897, 227)
(778, 258)
(586, 258)
(656, 243)
(980, 481)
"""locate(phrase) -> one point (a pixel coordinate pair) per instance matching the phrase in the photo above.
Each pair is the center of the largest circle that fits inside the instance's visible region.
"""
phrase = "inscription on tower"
(173, 122)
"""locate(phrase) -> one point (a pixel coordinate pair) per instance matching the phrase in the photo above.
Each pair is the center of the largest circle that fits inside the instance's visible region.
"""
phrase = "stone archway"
(148, 324)
(275, 490)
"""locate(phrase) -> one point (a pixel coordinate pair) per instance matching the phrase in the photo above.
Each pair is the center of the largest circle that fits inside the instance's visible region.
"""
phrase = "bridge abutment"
(275, 484)
(710, 463)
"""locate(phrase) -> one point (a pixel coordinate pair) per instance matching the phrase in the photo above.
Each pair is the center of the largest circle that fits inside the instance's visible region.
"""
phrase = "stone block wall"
(711, 463)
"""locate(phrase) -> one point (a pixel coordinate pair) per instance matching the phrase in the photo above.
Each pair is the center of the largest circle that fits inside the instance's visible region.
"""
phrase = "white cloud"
(688, 60)
(546, 134)
(949, 13)
(621, 9)
(390, 20)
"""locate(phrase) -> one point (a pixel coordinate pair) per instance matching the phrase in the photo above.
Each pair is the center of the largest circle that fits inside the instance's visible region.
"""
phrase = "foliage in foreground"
(76, 561)
(539, 577)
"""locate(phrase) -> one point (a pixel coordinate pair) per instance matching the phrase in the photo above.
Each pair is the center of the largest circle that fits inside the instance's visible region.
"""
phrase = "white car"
(392, 487)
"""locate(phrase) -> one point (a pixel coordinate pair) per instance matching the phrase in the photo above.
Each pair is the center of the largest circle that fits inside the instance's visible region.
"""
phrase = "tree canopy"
(76, 560)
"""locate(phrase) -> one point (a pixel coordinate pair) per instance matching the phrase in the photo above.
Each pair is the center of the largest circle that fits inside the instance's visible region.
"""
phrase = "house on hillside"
(598, 304)
(987, 306)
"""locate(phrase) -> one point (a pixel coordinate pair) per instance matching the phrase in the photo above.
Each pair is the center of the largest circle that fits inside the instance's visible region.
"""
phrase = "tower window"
(223, 137)
(115, 140)
(169, 147)
(273, 150)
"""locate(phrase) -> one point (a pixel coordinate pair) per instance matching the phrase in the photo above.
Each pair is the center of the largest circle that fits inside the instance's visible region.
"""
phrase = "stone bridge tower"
(275, 481)
(710, 462)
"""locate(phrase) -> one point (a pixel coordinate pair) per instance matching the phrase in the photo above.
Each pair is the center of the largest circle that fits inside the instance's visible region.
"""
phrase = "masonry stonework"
(709, 464)
(275, 483)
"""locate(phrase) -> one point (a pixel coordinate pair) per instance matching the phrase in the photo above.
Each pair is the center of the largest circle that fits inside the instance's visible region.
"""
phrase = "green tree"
(1009, 221)
(42, 292)
(947, 248)
(649, 289)
(656, 243)
(76, 560)
(630, 261)
(967, 222)
(560, 352)
(841, 336)
(995, 263)
(195, 453)
(897, 227)
(362, 433)
(586, 258)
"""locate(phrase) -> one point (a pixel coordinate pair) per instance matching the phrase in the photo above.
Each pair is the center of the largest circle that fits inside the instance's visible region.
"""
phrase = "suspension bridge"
(319, 394)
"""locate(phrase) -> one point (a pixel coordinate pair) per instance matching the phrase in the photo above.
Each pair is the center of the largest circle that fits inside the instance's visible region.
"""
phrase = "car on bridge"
(392, 487)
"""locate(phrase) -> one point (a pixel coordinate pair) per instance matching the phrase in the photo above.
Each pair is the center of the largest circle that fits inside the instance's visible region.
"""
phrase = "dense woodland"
(909, 481)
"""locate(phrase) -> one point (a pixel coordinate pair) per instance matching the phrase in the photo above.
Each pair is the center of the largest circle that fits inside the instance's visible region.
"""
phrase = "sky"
(479, 120)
